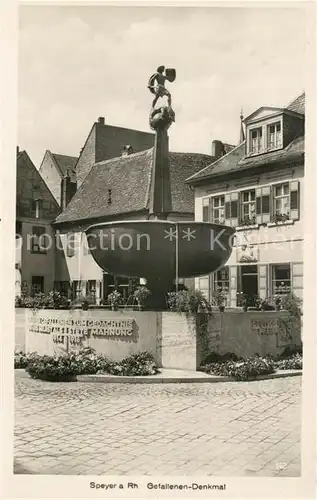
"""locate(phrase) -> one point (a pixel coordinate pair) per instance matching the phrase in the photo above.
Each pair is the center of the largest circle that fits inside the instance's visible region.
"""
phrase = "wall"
(249, 333)
(178, 342)
(170, 337)
(50, 175)
(20, 332)
(36, 264)
(115, 347)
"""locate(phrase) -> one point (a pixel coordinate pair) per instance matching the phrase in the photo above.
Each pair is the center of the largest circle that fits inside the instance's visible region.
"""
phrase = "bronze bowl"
(160, 249)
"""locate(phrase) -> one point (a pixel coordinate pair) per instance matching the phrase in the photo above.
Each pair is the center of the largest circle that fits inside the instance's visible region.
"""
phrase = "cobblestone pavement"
(224, 429)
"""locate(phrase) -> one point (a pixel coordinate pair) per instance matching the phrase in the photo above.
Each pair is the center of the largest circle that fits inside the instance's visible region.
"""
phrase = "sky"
(79, 63)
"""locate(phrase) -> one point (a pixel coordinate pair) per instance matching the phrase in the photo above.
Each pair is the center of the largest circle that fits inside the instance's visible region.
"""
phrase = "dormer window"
(256, 140)
(274, 139)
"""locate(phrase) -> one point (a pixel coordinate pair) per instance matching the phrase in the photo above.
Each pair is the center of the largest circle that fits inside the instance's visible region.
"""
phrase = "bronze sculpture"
(161, 118)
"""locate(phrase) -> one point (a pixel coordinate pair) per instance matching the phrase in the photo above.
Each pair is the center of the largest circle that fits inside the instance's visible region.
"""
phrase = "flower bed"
(243, 369)
(229, 365)
(67, 366)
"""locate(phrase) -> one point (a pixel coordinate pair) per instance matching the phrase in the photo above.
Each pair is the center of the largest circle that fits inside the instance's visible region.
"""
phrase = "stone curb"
(156, 379)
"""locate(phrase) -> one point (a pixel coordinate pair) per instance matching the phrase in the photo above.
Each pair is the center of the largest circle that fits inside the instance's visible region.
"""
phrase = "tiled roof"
(129, 179)
(65, 163)
(236, 160)
(226, 163)
(298, 104)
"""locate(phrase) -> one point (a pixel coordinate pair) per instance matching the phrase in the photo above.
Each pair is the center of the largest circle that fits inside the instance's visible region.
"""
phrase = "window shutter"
(234, 209)
(294, 200)
(211, 205)
(258, 205)
(263, 204)
(266, 204)
(233, 286)
(228, 209)
(205, 209)
(263, 281)
(297, 279)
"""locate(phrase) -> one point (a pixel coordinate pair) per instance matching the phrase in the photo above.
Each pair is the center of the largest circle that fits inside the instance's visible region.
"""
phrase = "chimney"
(217, 149)
(68, 190)
(18, 150)
(101, 120)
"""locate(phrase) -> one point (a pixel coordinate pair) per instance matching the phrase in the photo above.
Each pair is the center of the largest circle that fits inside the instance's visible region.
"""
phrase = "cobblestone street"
(221, 429)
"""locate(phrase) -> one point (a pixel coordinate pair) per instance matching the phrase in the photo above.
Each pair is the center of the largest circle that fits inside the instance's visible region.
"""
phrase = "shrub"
(21, 359)
(86, 361)
(188, 301)
(137, 364)
(294, 362)
(53, 368)
(244, 369)
(292, 304)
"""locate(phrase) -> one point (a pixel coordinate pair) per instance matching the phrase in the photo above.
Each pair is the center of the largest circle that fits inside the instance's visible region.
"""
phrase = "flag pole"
(176, 258)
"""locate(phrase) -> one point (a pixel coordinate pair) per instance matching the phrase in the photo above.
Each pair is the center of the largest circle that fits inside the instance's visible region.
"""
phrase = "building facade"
(36, 208)
(257, 188)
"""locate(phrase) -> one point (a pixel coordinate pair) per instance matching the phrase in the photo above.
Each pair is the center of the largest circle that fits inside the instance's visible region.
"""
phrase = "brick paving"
(223, 429)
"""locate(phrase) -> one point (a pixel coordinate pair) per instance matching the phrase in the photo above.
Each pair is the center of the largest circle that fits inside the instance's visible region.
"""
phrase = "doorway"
(249, 283)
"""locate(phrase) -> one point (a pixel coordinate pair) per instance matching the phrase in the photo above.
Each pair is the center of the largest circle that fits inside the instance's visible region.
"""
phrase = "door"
(37, 284)
(249, 284)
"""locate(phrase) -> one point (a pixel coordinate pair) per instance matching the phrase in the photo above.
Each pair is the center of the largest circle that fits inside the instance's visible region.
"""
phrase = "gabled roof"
(29, 187)
(65, 163)
(129, 179)
(298, 104)
(271, 109)
(237, 161)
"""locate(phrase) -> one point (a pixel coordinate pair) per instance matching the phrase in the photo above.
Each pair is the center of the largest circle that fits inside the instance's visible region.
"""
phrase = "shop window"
(281, 279)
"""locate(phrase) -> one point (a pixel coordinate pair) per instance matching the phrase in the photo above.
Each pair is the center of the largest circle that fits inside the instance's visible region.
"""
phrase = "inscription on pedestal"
(77, 329)
(264, 327)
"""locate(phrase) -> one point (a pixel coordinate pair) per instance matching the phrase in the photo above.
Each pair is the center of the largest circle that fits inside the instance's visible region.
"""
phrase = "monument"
(158, 249)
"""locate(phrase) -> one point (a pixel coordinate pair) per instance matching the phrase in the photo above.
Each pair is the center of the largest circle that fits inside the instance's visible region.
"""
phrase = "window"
(91, 288)
(282, 201)
(218, 209)
(221, 279)
(274, 136)
(38, 240)
(70, 244)
(221, 282)
(248, 214)
(281, 279)
(62, 287)
(256, 140)
(37, 285)
(76, 289)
